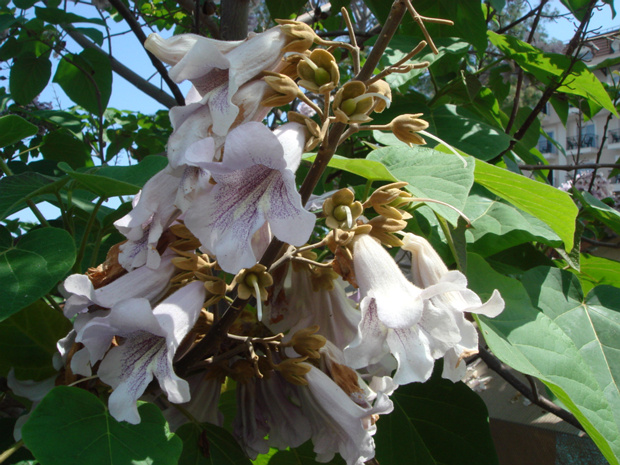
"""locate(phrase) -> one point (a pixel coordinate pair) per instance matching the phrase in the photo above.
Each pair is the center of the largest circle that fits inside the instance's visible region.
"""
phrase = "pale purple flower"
(255, 185)
(194, 121)
(150, 338)
(295, 305)
(269, 406)
(144, 282)
(217, 69)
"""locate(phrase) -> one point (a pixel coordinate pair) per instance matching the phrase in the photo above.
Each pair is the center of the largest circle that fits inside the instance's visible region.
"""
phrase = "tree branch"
(234, 19)
(139, 33)
(123, 71)
(583, 166)
(498, 367)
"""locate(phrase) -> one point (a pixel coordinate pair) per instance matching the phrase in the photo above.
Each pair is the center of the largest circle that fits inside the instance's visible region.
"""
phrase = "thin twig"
(572, 167)
(139, 33)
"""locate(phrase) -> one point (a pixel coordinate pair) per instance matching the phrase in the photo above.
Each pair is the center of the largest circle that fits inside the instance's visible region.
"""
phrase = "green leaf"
(497, 225)
(552, 206)
(369, 169)
(209, 445)
(14, 128)
(32, 267)
(57, 16)
(29, 76)
(62, 146)
(72, 427)
(283, 10)
(550, 331)
(430, 174)
(24, 4)
(28, 341)
(548, 67)
(608, 215)
(598, 270)
(577, 7)
(94, 34)
(428, 417)
(25, 186)
(302, 455)
(87, 79)
(113, 181)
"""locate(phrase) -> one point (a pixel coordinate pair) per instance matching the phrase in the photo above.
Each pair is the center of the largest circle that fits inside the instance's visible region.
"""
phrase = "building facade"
(579, 141)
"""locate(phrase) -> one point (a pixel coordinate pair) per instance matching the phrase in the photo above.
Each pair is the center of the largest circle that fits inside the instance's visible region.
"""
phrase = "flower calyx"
(341, 210)
(388, 200)
(318, 72)
(307, 343)
(352, 103)
(384, 228)
(253, 282)
(406, 127)
(284, 90)
(314, 136)
(294, 370)
(301, 36)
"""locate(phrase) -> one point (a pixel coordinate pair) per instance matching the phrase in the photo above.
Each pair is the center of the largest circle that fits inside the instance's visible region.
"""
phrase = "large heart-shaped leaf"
(16, 190)
(87, 79)
(35, 331)
(33, 266)
(430, 174)
(428, 416)
(550, 331)
(72, 427)
(497, 225)
(14, 128)
(552, 206)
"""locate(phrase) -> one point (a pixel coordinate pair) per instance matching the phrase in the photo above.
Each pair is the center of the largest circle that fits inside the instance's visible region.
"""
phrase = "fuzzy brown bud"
(406, 127)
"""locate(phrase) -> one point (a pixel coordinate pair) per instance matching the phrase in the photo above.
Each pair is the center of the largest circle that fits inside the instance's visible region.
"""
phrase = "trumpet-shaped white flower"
(445, 313)
(339, 423)
(417, 325)
(150, 338)
(255, 184)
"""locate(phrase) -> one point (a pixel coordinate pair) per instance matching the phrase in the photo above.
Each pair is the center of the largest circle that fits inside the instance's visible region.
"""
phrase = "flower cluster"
(320, 325)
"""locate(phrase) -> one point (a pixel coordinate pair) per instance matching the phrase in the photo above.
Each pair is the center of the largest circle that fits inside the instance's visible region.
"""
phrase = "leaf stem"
(89, 226)
(11, 450)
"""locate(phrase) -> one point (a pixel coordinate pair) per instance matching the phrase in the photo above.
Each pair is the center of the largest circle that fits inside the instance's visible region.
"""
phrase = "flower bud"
(351, 104)
(294, 370)
(388, 199)
(319, 72)
(405, 128)
(250, 279)
(341, 210)
(306, 343)
(301, 36)
(313, 129)
(383, 229)
(284, 90)
(383, 88)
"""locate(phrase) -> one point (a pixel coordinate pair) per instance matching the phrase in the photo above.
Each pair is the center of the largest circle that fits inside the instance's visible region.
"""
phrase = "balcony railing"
(614, 136)
(587, 141)
(546, 147)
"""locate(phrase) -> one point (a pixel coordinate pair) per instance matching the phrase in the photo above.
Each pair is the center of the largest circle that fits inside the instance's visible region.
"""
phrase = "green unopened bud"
(348, 106)
(342, 210)
(321, 76)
